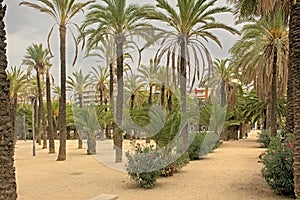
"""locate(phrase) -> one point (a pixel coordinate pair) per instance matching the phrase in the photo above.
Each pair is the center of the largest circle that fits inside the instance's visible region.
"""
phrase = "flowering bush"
(278, 170)
(144, 165)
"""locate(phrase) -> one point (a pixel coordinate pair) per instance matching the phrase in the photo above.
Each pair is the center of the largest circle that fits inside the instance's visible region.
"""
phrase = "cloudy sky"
(25, 26)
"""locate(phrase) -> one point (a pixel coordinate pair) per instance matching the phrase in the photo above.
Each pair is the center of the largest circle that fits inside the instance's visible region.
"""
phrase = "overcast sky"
(25, 26)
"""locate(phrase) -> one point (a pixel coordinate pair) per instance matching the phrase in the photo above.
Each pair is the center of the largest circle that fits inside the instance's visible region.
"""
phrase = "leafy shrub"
(278, 170)
(202, 144)
(175, 166)
(264, 137)
(144, 165)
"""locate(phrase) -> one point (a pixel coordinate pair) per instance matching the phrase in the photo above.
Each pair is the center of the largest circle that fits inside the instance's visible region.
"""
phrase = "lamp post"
(32, 98)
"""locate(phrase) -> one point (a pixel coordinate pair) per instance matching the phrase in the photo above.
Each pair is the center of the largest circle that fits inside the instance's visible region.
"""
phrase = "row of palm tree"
(290, 14)
(260, 56)
(182, 39)
(121, 22)
(261, 25)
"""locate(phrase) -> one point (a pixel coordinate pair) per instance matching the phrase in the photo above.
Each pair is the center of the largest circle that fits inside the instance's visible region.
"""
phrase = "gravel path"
(231, 172)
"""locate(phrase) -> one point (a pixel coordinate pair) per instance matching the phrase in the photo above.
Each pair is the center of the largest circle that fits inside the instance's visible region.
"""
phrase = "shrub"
(144, 165)
(203, 143)
(264, 138)
(278, 170)
(175, 166)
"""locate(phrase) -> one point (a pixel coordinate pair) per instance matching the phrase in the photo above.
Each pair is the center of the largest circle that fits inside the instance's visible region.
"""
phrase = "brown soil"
(230, 172)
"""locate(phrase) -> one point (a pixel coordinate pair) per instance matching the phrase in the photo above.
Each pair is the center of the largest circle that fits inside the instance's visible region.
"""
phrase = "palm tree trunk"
(291, 66)
(162, 96)
(101, 96)
(111, 86)
(170, 97)
(182, 79)
(274, 97)
(39, 118)
(295, 59)
(269, 111)
(173, 71)
(80, 144)
(119, 111)
(13, 106)
(91, 146)
(49, 116)
(241, 130)
(7, 169)
(42, 111)
(149, 103)
(223, 93)
(62, 104)
(150, 94)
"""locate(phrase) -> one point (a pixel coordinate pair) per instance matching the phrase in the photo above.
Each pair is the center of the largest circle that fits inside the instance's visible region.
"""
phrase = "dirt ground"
(230, 172)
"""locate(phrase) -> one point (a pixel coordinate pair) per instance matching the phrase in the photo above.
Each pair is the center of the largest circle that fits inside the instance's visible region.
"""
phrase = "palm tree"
(262, 56)
(7, 169)
(78, 83)
(191, 25)
(86, 120)
(133, 87)
(149, 75)
(49, 112)
(105, 51)
(62, 12)
(100, 76)
(119, 21)
(17, 80)
(246, 9)
(39, 59)
(225, 73)
(294, 64)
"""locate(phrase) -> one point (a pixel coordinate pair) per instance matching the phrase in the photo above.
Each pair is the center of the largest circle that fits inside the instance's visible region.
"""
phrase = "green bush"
(175, 166)
(144, 165)
(203, 143)
(278, 165)
(264, 138)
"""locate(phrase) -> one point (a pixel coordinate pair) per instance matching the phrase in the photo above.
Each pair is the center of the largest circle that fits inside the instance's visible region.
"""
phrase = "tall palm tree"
(39, 59)
(49, 112)
(294, 63)
(99, 77)
(17, 80)
(105, 50)
(119, 21)
(262, 55)
(7, 169)
(78, 83)
(62, 12)
(190, 26)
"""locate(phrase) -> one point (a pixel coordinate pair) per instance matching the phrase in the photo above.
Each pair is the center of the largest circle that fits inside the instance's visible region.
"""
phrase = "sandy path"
(231, 172)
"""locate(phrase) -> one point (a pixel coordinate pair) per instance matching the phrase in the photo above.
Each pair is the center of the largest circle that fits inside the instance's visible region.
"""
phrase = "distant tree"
(38, 59)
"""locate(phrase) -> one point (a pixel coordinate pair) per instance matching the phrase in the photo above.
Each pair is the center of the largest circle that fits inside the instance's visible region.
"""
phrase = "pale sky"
(25, 26)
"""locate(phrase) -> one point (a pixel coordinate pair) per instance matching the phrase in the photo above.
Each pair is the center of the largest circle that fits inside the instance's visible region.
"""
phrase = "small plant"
(278, 170)
(203, 143)
(175, 166)
(144, 165)
(264, 138)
